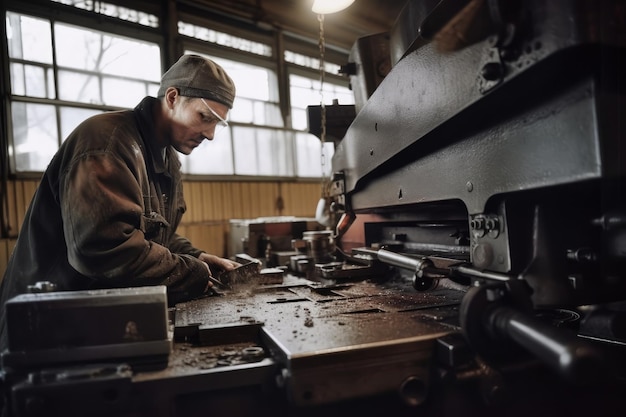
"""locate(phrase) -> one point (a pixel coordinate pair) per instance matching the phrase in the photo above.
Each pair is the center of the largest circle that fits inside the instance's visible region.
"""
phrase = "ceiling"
(341, 29)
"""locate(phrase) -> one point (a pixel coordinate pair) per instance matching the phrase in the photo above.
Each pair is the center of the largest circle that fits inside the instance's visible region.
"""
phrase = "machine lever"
(572, 357)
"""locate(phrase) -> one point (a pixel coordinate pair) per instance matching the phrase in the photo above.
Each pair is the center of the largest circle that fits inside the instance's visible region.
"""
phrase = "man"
(106, 211)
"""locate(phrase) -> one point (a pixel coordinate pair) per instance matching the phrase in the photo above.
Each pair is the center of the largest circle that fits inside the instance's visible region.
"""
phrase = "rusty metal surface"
(333, 341)
(305, 316)
(322, 342)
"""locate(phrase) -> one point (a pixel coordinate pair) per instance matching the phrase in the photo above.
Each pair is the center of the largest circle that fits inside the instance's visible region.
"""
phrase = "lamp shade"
(330, 6)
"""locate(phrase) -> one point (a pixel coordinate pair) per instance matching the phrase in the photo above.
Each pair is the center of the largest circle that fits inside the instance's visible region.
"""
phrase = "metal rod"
(475, 273)
(402, 261)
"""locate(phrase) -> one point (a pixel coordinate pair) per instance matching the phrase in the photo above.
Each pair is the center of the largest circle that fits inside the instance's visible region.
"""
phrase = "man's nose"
(209, 133)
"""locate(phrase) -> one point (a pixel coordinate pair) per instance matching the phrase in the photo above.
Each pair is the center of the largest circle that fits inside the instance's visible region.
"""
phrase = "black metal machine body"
(478, 265)
(492, 156)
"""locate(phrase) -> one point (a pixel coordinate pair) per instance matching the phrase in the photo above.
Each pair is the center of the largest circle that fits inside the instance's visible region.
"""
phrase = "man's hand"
(217, 263)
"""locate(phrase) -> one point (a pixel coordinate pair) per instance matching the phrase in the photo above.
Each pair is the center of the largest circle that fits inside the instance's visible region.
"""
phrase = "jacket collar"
(144, 114)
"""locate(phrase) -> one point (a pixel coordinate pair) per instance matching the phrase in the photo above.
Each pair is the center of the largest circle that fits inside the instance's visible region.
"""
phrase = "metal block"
(78, 326)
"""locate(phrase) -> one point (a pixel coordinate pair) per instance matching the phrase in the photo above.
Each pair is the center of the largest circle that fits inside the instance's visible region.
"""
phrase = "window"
(313, 161)
(61, 73)
(57, 81)
(224, 39)
(111, 10)
(310, 62)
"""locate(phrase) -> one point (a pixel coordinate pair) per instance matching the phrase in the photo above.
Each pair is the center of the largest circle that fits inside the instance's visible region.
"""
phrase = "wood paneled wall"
(210, 207)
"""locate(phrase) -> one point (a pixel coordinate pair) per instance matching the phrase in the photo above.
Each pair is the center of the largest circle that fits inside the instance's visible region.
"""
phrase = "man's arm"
(102, 208)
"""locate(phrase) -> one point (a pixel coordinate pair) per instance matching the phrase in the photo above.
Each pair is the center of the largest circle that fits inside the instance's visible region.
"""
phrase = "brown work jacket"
(105, 215)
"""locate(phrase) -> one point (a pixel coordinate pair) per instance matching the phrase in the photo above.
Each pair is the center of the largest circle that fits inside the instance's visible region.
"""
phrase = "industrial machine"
(476, 263)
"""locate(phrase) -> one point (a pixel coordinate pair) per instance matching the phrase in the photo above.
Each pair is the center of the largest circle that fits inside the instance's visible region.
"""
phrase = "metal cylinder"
(320, 245)
(402, 261)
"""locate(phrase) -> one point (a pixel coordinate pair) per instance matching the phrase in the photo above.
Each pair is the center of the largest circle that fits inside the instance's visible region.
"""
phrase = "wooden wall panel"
(300, 199)
(211, 238)
(226, 206)
(207, 202)
(12, 209)
(6, 247)
(265, 199)
(20, 206)
(234, 194)
(193, 198)
(19, 193)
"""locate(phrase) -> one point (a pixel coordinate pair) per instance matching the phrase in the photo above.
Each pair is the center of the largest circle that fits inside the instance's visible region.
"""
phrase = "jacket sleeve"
(102, 208)
(180, 244)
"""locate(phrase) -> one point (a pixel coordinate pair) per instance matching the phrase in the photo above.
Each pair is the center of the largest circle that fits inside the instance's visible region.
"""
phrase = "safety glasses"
(221, 122)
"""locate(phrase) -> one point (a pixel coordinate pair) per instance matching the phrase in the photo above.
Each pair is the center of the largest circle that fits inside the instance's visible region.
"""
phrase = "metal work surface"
(318, 343)
(331, 341)
(306, 316)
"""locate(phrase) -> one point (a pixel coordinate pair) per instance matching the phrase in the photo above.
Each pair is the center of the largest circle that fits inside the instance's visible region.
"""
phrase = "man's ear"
(171, 95)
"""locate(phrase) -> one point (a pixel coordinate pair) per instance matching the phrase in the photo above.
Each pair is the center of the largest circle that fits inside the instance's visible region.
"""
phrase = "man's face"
(194, 120)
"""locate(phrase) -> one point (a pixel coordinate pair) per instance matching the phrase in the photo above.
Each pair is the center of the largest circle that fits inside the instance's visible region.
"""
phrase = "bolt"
(492, 71)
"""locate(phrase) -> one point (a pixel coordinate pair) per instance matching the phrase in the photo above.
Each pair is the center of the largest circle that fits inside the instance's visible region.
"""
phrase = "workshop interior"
(432, 223)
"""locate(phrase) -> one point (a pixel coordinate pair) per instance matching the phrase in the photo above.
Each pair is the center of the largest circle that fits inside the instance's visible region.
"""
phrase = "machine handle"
(570, 356)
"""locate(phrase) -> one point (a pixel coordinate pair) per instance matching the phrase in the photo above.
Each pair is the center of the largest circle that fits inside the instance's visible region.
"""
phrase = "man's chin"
(185, 150)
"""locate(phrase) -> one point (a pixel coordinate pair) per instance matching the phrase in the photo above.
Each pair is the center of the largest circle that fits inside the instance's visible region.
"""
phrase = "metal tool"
(243, 274)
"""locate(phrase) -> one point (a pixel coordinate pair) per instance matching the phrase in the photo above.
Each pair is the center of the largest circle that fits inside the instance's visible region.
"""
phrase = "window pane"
(224, 39)
(31, 80)
(211, 157)
(72, 117)
(75, 86)
(90, 50)
(263, 152)
(122, 93)
(255, 112)
(310, 62)
(18, 79)
(107, 9)
(34, 135)
(29, 38)
(267, 114)
(110, 70)
(309, 156)
(299, 119)
(251, 81)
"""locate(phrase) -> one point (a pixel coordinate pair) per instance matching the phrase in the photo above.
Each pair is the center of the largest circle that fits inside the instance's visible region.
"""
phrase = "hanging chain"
(322, 46)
